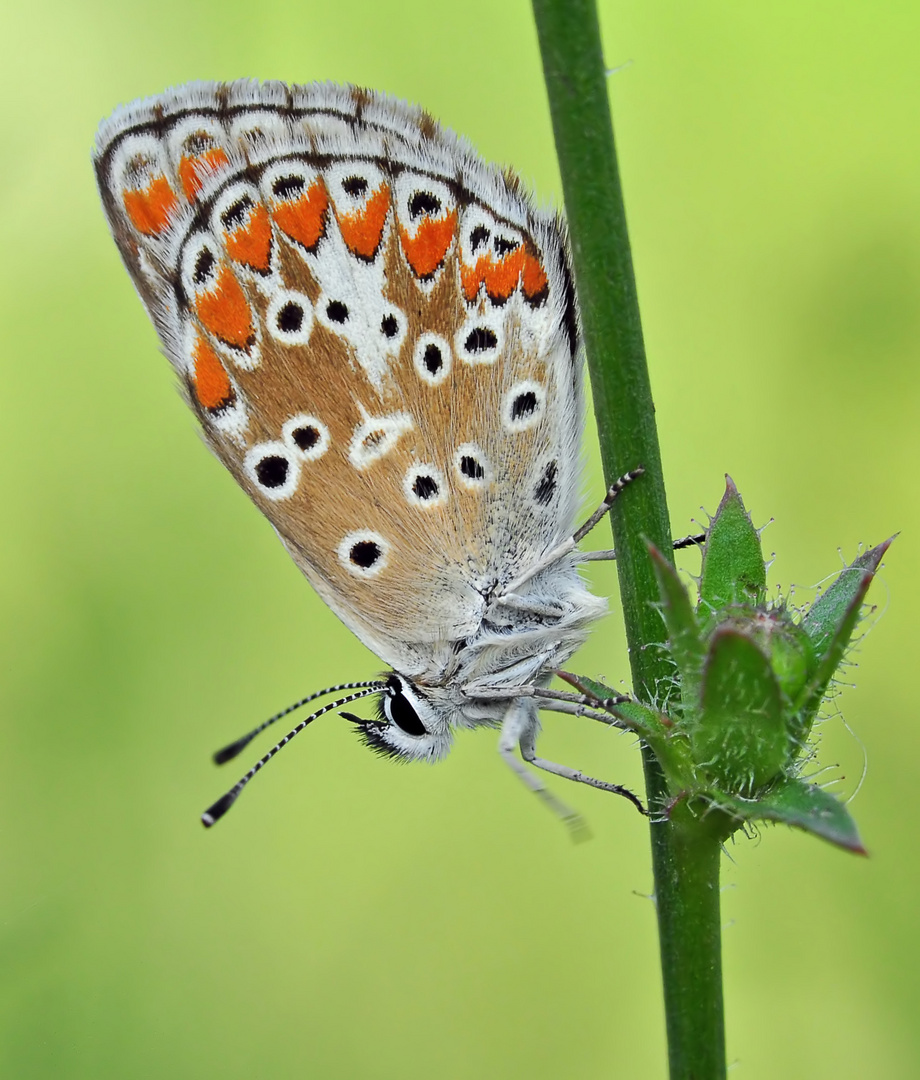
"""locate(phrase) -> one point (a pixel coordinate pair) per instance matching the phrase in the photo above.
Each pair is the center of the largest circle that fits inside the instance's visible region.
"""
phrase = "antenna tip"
(218, 809)
(228, 753)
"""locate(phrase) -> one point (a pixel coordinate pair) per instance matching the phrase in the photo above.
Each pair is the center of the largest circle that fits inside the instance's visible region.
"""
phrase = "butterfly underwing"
(379, 335)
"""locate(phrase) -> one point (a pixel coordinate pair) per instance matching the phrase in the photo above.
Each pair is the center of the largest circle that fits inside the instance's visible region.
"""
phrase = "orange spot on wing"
(151, 208)
(224, 311)
(533, 278)
(501, 278)
(251, 243)
(194, 170)
(212, 383)
(362, 231)
(304, 219)
(471, 277)
(426, 250)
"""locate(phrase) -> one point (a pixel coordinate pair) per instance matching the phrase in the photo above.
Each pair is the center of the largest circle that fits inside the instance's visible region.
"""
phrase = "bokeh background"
(352, 918)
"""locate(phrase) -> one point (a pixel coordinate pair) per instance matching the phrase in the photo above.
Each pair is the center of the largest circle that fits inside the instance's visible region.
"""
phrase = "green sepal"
(653, 727)
(829, 624)
(792, 656)
(801, 805)
(739, 736)
(733, 567)
(648, 723)
(684, 640)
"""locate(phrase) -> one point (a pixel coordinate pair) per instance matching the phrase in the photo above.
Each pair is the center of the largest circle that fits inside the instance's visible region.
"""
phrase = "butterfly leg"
(568, 546)
(529, 754)
(519, 719)
(545, 609)
(694, 540)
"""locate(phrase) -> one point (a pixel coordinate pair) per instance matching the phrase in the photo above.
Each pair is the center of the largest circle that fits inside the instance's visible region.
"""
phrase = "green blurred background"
(351, 918)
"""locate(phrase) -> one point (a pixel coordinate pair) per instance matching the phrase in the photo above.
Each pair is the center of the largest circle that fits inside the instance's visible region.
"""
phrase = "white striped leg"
(529, 754)
(518, 719)
(615, 488)
(694, 540)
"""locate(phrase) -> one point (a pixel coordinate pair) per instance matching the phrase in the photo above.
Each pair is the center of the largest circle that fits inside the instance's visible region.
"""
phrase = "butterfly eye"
(408, 725)
(399, 711)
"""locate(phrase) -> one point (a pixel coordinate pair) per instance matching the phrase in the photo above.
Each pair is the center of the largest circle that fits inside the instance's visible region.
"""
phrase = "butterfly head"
(409, 724)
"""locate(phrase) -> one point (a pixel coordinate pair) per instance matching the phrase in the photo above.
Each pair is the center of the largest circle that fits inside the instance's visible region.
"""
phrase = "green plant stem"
(685, 855)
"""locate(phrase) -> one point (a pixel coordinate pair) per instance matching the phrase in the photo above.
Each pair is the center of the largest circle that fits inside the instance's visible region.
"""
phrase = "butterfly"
(378, 333)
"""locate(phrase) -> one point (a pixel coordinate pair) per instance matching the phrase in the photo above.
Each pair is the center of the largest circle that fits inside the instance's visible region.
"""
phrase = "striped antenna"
(223, 804)
(228, 753)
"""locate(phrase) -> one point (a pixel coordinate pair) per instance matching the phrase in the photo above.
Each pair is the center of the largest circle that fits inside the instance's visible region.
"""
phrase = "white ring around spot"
(418, 358)
(192, 249)
(150, 159)
(229, 197)
(273, 449)
(279, 301)
(383, 433)
(255, 127)
(522, 423)
(363, 536)
(302, 421)
(487, 355)
(392, 345)
(475, 452)
(437, 499)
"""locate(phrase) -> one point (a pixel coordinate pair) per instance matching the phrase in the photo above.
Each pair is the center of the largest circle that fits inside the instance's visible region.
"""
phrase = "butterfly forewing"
(377, 332)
